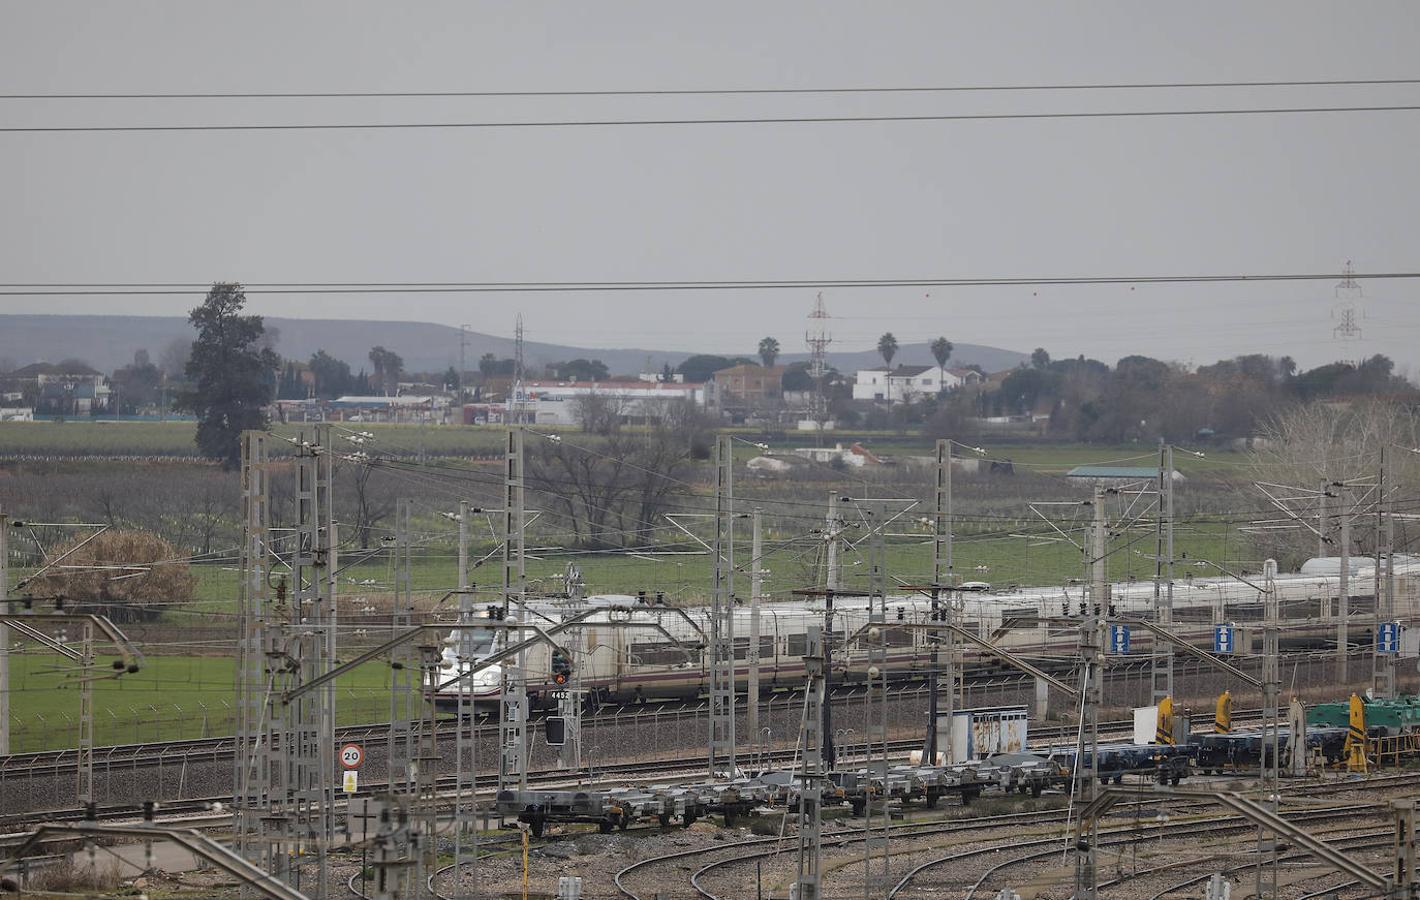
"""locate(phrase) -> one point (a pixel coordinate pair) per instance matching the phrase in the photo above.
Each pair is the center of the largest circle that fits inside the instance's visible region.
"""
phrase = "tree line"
(1141, 398)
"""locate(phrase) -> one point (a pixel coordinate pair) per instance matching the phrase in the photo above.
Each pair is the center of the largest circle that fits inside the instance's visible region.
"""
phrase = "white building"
(403, 408)
(855, 455)
(556, 402)
(903, 384)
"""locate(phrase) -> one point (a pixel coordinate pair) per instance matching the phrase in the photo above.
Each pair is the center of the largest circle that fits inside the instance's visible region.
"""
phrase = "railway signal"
(555, 728)
(561, 667)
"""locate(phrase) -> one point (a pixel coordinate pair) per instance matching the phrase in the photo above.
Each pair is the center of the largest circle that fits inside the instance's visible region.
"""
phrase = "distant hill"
(107, 342)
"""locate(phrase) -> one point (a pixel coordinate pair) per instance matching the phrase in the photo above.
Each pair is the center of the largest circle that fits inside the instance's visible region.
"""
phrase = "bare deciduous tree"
(599, 412)
(371, 504)
(1312, 444)
(616, 492)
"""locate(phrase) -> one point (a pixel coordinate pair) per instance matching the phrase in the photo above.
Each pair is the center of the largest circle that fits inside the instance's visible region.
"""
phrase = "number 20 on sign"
(351, 755)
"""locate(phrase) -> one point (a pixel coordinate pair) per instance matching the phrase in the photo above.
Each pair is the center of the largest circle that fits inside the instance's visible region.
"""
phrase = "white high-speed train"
(632, 649)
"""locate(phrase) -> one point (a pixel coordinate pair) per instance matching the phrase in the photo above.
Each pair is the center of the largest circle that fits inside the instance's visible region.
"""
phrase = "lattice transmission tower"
(818, 339)
(1347, 310)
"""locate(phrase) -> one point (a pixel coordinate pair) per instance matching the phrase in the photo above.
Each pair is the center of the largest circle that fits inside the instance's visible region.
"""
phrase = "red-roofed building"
(745, 389)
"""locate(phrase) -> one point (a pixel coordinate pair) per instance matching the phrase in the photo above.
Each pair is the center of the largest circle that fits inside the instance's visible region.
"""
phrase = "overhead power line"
(704, 92)
(746, 120)
(70, 289)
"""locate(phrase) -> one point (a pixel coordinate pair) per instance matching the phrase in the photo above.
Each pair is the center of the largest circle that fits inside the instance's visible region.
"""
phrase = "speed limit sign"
(351, 755)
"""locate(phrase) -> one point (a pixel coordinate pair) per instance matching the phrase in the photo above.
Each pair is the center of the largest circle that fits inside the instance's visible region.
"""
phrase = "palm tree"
(887, 346)
(941, 351)
(768, 351)
(377, 361)
(388, 367)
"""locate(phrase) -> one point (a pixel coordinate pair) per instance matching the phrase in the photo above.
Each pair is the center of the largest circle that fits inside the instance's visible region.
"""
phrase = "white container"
(979, 733)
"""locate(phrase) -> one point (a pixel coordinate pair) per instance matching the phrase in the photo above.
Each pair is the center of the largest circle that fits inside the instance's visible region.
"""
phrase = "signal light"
(561, 667)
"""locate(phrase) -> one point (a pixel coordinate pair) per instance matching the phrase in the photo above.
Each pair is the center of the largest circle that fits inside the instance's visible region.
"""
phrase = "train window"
(899, 637)
(798, 645)
(766, 647)
(657, 654)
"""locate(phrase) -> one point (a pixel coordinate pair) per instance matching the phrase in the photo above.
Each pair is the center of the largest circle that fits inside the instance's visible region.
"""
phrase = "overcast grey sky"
(1200, 195)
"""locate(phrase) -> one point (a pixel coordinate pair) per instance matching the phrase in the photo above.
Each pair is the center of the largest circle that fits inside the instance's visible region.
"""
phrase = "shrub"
(128, 576)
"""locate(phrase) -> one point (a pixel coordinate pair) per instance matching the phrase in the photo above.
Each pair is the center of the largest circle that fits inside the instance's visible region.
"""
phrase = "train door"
(774, 646)
(617, 668)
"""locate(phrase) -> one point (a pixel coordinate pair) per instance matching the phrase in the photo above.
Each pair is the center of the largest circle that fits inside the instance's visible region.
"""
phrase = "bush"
(766, 826)
(68, 877)
(128, 576)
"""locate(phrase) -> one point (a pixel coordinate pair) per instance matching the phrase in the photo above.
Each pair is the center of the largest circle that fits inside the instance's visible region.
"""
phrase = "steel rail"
(1368, 841)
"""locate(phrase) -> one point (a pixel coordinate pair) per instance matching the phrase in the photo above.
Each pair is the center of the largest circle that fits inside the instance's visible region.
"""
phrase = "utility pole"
(519, 392)
(832, 528)
(1343, 593)
(512, 726)
(818, 340)
(465, 723)
(463, 366)
(291, 791)
(4, 634)
(404, 665)
(1404, 879)
(875, 717)
(756, 586)
(944, 664)
(1092, 628)
(86, 719)
(1323, 524)
(426, 775)
(251, 779)
(1271, 743)
(721, 745)
(1383, 664)
(1161, 657)
(811, 738)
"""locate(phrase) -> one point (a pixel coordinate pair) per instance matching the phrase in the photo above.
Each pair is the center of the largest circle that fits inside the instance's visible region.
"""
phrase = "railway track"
(1379, 839)
(1124, 835)
(663, 769)
(222, 748)
(64, 761)
(741, 853)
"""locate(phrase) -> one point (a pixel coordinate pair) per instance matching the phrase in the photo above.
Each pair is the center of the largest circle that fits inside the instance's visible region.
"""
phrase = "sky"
(1198, 195)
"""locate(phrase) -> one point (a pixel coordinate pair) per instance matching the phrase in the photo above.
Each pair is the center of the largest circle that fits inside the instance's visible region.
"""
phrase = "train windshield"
(474, 644)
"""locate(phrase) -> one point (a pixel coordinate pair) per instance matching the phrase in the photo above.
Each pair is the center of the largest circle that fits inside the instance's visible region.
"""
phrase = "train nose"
(487, 680)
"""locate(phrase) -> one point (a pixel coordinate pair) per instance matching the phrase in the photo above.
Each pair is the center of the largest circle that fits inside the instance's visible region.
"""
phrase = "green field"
(178, 696)
(191, 696)
(79, 437)
(172, 697)
(1031, 556)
